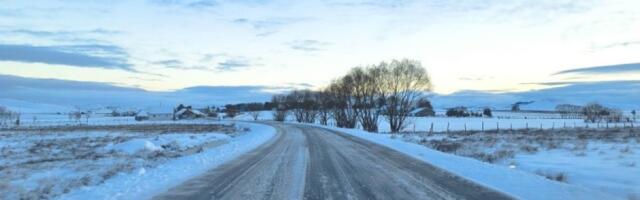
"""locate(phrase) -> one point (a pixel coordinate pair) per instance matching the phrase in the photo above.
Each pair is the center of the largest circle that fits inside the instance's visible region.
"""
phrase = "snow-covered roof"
(417, 110)
(181, 111)
(184, 110)
(197, 112)
(142, 114)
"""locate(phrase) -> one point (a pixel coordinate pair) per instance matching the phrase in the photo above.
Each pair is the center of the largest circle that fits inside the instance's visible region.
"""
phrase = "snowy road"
(305, 162)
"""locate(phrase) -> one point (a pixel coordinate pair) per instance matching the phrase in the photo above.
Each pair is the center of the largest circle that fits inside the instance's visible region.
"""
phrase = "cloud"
(304, 85)
(618, 44)
(144, 79)
(610, 69)
(9, 82)
(203, 4)
(269, 26)
(308, 45)
(199, 4)
(555, 83)
(179, 65)
(46, 33)
(169, 63)
(374, 3)
(219, 62)
(11, 12)
(233, 64)
(475, 78)
(97, 56)
(72, 36)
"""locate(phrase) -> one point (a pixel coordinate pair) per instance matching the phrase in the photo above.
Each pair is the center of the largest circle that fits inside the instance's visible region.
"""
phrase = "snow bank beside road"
(148, 182)
(516, 183)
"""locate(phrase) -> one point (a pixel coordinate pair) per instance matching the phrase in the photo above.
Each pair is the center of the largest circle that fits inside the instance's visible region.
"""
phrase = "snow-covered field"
(501, 121)
(605, 160)
(514, 181)
(116, 162)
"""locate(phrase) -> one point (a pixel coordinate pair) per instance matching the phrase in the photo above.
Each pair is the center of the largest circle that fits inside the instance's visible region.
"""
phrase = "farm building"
(188, 113)
(423, 112)
(141, 116)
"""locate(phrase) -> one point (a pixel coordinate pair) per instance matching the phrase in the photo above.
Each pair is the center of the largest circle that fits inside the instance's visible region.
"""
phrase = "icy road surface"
(305, 162)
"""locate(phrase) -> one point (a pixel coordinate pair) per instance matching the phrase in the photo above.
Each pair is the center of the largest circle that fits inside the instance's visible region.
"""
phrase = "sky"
(165, 45)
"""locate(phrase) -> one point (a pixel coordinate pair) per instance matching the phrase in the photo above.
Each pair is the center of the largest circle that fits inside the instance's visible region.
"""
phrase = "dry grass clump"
(556, 176)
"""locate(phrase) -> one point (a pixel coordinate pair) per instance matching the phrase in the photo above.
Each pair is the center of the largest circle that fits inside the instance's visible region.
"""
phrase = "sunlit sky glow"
(493, 45)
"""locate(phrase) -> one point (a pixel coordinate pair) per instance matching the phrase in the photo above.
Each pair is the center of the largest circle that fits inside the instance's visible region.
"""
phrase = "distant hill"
(618, 94)
(53, 95)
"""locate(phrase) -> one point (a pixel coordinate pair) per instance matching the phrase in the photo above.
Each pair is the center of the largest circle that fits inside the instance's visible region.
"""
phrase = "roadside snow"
(146, 182)
(133, 146)
(181, 141)
(517, 183)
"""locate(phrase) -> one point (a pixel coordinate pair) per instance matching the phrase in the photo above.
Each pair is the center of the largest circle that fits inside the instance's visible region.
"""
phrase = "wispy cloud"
(267, 26)
(555, 83)
(143, 79)
(234, 64)
(203, 4)
(169, 63)
(190, 4)
(48, 33)
(617, 44)
(610, 69)
(57, 36)
(374, 3)
(308, 45)
(475, 78)
(198, 4)
(96, 56)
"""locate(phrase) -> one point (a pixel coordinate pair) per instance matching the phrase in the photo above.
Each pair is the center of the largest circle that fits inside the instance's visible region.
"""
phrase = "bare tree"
(405, 81)
(309, 106)
(255, 114)
(569, 111)
(87, 115)
(343, 109)
(367, 94)
(77, 116)
(594, 112)
(303, 104)
(324, 107)
(280, 109)
(294, 103)
(18, 119)
(5, 115)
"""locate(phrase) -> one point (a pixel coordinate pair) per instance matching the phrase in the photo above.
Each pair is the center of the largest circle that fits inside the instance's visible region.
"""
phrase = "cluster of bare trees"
(362, 96)
(305, 106)
(593, 112)
(8, 117)
(569, 111)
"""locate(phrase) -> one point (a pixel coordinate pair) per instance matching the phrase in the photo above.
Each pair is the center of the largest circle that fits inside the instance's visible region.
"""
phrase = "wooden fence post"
(447, 127)
(465, 127)
(414, 128)
(431, 129)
